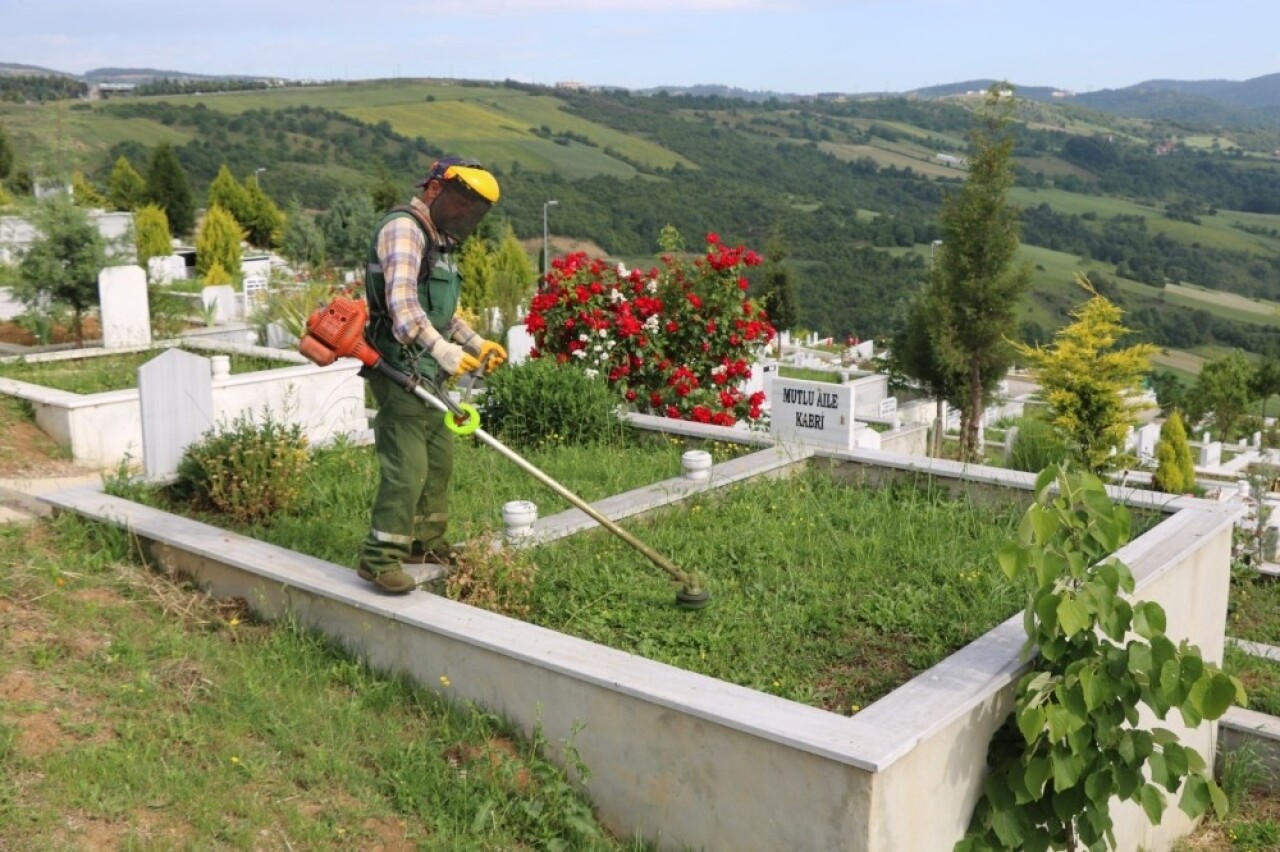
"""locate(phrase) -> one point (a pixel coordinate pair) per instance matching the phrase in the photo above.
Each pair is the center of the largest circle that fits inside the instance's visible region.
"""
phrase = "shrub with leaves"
(540, 402)
(1175, 471)
(1073, 743)
(248, 470)
(676, 341)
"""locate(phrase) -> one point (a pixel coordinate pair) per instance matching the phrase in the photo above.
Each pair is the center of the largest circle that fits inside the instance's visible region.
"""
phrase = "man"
(412, 288)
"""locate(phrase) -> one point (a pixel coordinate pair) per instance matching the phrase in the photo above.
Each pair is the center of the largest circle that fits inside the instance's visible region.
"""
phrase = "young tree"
(778, 294)
(385, 194)
(347, 227)
(126, 188)
(1087, 380)
(977, 283)
(168, 189)
(476, 265)
(1265, 381)
(226, 192)
(263, 222)
(915, 352)
(1222, 389)
(1175, 470)
(514, 275)
(218, 242)
(151, 234)
(62, 264)
(86, 194)
(302, 242)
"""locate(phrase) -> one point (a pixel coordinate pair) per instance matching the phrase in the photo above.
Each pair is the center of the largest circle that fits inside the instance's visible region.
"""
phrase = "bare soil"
(11, 332)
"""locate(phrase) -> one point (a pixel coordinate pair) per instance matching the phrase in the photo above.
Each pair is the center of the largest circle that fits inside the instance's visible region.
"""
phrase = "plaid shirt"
(401, 249)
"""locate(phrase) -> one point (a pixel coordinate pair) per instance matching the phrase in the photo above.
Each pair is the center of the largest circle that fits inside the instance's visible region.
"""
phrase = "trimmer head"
(694, 598)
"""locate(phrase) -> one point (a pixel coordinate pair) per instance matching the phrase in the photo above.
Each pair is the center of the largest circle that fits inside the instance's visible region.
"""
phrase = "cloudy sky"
(801, 46)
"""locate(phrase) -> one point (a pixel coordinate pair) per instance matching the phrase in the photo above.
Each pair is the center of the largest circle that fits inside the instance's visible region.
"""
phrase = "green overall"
(414, 449)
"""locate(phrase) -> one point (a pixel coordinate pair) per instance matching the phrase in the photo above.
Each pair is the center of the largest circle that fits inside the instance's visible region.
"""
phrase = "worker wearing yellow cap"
(412, 287)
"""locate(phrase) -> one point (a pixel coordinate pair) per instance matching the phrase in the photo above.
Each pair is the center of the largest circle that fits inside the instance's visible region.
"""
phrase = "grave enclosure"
(683, 760)
(688, 761)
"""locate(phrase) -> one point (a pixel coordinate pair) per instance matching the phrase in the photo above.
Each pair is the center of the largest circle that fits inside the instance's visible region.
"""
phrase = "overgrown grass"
(101, 373)
(140, 714)
(1261, 678)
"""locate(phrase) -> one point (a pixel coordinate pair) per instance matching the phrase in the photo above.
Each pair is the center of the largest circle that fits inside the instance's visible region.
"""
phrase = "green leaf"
(1012, 560)
(1037, 775)
(1044, 480)
(1061, 722)
(1073, 615)
(1139, 658)
(1045, 524)
(1047, 611)
(1196, 797)
(1152, 801)
(1066, 769)
(1008, 827)
(1211, 696)
(1171, 679)
(1099, 787)
(1175, 757)
(1220, 803)
(1158, 769)
(1031, 723)
(1148, 619)
(1094, 689)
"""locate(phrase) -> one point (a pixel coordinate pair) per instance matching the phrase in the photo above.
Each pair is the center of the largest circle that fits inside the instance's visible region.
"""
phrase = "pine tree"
(1175, 471)
(778, 293)
(226, 192)
(1086, 379)
(86, 194)
(151, 235)
(347, 227)
(218, 242)
(62, 264)
(168, 189)
(126, 188)
(302, 242)
(476, 266)
(514, 275)
(263, 222)
(977, 282)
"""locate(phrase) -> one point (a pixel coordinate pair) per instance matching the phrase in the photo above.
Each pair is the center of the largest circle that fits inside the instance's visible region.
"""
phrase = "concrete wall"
(689, 761)
(101, 429)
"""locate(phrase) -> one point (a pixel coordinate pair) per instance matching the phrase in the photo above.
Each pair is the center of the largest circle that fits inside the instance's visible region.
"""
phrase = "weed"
(500, 580)
(1241, 771)
(247, 470)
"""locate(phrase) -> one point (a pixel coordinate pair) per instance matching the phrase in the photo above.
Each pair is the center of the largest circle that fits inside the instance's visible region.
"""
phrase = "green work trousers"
(415, 461)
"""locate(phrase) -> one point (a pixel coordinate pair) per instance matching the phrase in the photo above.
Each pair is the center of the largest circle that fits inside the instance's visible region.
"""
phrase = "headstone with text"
(126, 316)
(815, 414)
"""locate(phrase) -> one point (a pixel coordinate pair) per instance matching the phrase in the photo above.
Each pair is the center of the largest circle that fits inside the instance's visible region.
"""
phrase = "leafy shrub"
(540, 402)
(1175, 470)
(247, 470)
(676, 341)
(1036, 446)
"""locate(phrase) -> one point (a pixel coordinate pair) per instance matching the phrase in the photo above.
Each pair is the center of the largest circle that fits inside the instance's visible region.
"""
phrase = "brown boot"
(393, 582)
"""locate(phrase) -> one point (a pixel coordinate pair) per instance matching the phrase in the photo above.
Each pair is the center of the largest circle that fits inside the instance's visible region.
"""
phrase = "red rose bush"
(676, 341)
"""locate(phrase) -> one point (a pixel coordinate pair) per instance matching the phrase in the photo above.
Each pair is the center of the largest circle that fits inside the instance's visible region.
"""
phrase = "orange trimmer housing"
(336, 330)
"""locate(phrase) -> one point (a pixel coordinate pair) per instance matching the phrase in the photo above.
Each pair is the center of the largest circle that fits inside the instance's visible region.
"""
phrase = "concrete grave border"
(685, 760)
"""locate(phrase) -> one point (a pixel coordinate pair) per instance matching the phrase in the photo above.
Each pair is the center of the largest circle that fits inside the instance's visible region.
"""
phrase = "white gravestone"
(816, 414)
(126, 318)
(175, 391)
(1148, 436)
(221, 300)
(1211, 454)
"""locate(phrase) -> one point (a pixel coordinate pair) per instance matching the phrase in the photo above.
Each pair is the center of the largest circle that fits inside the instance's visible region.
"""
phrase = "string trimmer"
(336, 330)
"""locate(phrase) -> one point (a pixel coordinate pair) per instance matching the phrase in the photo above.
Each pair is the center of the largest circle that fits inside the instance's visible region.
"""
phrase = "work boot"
(393, 582)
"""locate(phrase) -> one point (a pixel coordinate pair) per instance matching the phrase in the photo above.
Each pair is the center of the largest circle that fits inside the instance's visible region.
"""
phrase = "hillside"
(851, 187)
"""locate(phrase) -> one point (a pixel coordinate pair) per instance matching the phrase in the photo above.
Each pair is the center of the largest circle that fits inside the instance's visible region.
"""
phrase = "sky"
(794, 46)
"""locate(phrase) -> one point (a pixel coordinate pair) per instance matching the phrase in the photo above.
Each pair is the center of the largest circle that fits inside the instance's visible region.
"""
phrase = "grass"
(101, 373)
(809, 374)
(142, 714)
(833, 606)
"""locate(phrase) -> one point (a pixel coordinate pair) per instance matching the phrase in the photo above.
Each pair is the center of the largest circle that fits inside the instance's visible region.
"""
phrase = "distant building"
(949, 160)
(102, 91)
(572, 85)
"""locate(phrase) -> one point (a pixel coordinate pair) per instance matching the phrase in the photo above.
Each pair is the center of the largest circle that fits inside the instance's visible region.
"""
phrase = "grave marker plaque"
(817, 414)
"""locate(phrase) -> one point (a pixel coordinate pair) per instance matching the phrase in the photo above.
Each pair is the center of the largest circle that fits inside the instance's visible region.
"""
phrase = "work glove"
(494, 352)
(452, 358)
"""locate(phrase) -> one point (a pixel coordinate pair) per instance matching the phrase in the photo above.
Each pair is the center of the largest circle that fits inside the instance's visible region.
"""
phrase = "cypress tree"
(168, 189)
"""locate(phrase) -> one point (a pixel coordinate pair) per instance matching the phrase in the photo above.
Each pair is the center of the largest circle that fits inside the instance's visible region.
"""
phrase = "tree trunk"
(939, 423)
(969, 437)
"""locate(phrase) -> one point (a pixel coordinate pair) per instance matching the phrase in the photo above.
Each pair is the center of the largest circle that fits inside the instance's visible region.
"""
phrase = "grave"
(126, 318)
(175, 391)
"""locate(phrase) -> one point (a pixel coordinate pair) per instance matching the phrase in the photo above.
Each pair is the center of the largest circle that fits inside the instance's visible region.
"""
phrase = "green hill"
(851, 186)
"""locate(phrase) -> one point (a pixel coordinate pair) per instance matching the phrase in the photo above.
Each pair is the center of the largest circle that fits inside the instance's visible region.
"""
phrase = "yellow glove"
(453, 358)
(494, 352)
